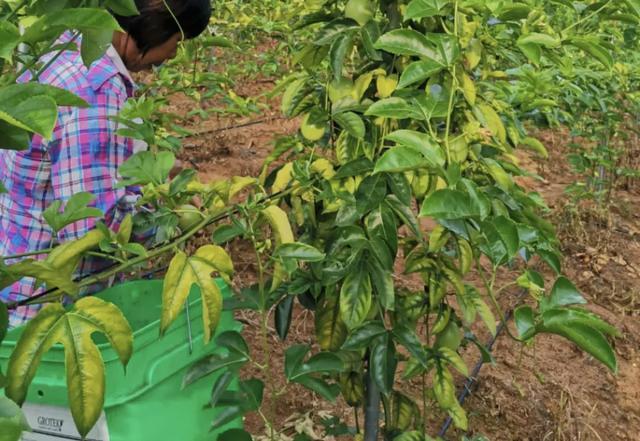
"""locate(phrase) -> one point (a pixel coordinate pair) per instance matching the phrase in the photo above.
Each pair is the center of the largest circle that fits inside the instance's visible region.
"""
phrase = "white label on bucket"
(53, 423)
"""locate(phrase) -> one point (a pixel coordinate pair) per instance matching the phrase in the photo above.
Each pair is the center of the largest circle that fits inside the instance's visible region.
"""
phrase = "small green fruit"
(188, 216)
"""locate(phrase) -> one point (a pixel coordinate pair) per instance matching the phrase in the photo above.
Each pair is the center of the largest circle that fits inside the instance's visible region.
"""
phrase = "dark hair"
(156, 24)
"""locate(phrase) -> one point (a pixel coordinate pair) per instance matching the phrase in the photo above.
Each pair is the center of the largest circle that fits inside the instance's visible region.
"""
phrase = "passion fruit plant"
(405, 163)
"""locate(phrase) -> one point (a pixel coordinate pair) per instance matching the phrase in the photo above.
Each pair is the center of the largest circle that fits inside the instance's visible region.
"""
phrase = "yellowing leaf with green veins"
(386, 85)
(468, 88)
(459, 416)
(185, 271)
(490, 119)
(84, 365)
(444, 388)
(330, 329)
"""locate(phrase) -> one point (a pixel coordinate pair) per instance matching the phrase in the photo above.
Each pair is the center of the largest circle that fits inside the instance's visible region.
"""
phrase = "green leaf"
(283, 315)
(293, 358)
(361, 337)
(401, 158)
(587, 338)
(370, 193)
(567, 315)
(220, 386)
(525, 321)
(299, 251)
(564, 293)
(592, 47)
(355, 298)
(9, 39)
(327, 391)
(383, 363)
(12, 421)
(422, 143)
(94, 44)
(323, 362)
(382, 280)
(75, 209)
(404, 212)
(448, 204)
(233, 342)
(634, 5)
(419, 71)
(394, 108)
(352, 123)
(340, 49)
(552, 259)
(11, 96)
(418, 9)
(84, 365)
(36, 114)
(12, 137)
(508, 232)
(544, 40)
(82, 19)
(406, 42)
(147, 168)
(211, 364)
(408, 338)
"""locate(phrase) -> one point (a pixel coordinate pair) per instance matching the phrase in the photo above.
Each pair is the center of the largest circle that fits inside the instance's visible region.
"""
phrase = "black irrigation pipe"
(473, 378)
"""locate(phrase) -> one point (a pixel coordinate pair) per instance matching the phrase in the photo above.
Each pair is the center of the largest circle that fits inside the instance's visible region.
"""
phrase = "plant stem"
(30, 253)
(452, 94)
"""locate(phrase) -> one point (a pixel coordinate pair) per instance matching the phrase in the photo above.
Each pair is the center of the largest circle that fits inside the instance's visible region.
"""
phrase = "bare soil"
(548, 391)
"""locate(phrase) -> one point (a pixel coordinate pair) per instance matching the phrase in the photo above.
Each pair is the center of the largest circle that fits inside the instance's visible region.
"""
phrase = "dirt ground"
(549, 391)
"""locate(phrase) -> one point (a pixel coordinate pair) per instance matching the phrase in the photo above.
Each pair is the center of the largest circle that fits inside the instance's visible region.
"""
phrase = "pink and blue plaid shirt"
(83, 156)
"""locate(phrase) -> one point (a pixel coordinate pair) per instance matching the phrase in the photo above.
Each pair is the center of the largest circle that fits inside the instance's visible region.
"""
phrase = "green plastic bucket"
(147, 403)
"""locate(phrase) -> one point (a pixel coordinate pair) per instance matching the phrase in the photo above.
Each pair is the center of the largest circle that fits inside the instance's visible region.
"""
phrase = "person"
(85, 151)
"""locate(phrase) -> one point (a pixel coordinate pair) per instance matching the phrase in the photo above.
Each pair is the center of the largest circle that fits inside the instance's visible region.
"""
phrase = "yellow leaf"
(324, 167)
(468, 88)
(491, 120)
(386, 85)
(183, 272)
(283, 178)
(282, 233)
(83, 362)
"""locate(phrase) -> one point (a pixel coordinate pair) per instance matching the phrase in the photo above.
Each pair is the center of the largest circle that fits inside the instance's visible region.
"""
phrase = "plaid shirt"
(82, 156)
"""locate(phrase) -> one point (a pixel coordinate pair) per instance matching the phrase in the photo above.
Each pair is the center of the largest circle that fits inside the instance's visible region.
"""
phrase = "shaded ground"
(550, 391)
